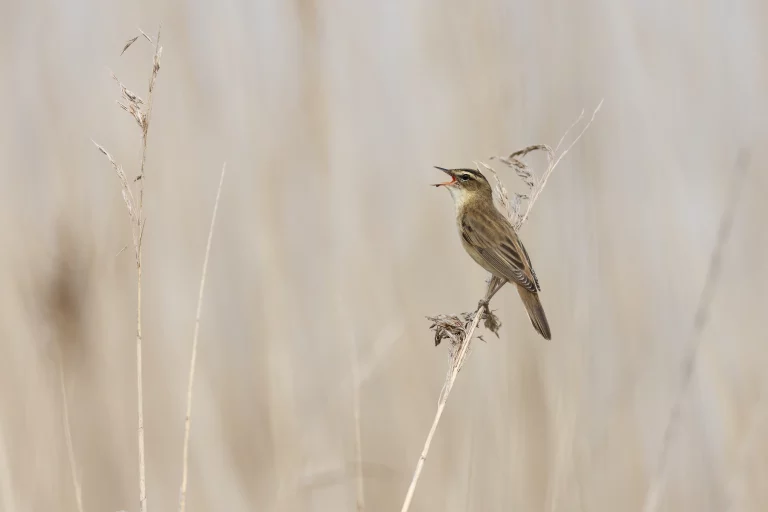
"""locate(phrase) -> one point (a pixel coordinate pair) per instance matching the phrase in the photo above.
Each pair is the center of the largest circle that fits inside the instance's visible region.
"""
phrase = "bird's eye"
(463, 177)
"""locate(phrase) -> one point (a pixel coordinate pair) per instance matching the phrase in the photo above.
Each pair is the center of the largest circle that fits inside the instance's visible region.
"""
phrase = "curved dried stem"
(193, 359)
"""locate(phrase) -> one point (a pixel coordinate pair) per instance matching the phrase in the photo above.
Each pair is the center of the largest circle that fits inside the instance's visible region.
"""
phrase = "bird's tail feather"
(535, 312)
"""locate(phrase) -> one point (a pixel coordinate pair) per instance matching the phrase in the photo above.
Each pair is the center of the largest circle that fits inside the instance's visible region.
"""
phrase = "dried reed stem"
(68, 438)
(699, 322)
(140, 394)
(452, 326)
(140, 229)
(193, 359)
(360, 485)
(456, 363)
(134, 106)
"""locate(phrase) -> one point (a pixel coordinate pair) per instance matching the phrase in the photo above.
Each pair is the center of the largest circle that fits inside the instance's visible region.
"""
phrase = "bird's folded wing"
(501, 250)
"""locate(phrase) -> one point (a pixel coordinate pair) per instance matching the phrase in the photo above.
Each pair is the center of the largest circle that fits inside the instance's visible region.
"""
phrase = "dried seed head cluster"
(133, 104)
(130, 202)
(450, 327)
(140, 111)
(455, 327)
(526, 174)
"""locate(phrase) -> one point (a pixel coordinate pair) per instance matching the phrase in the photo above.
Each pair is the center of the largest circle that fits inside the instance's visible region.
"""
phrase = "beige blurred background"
(330, 249)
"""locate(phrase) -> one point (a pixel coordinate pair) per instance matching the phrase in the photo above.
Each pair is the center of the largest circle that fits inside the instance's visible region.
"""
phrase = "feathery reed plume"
(460, 329)
(699, 322)
(141, 113)
(193, 359)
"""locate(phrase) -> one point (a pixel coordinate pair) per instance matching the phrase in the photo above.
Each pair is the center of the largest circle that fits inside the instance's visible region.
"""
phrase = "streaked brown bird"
(492, 242)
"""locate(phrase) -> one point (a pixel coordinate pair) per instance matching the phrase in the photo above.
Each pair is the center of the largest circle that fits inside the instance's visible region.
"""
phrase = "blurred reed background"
(330, 249)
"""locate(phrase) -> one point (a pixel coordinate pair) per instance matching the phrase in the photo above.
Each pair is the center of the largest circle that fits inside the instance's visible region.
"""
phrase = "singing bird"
(492, 242)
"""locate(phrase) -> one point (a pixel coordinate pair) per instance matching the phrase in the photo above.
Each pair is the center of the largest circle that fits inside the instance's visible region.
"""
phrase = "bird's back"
(489, 238)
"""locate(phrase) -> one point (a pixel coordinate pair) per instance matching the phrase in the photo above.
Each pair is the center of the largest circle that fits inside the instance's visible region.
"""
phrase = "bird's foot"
(483, 304)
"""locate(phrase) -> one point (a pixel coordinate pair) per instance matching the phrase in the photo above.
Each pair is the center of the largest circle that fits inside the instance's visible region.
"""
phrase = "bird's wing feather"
(502, 251)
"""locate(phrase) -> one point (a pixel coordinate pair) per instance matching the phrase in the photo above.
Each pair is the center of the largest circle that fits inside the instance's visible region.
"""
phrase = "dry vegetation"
(460, 329)
(142, 114)
(313, 377)
(135, 106)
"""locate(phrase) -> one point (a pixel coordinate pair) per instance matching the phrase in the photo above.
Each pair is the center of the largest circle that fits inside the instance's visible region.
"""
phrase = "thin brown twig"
(193, 359)
(699, 322)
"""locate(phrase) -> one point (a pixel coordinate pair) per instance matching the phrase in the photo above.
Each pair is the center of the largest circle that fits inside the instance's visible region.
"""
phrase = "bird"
(491, 240)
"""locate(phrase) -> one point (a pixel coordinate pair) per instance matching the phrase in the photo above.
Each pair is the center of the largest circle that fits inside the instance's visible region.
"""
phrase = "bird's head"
(466, 185)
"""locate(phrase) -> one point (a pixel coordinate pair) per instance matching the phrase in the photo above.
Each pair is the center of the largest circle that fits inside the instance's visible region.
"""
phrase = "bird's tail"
(535, 312)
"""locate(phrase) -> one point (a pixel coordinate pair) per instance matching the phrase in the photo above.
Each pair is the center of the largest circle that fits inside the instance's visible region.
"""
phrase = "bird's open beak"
(449, 173)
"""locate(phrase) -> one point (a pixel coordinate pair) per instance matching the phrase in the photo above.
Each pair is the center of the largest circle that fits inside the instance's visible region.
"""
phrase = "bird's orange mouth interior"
(453, 180)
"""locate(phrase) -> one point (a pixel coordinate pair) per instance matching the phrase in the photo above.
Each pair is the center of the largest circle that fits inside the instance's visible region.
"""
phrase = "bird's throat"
(460, 198)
